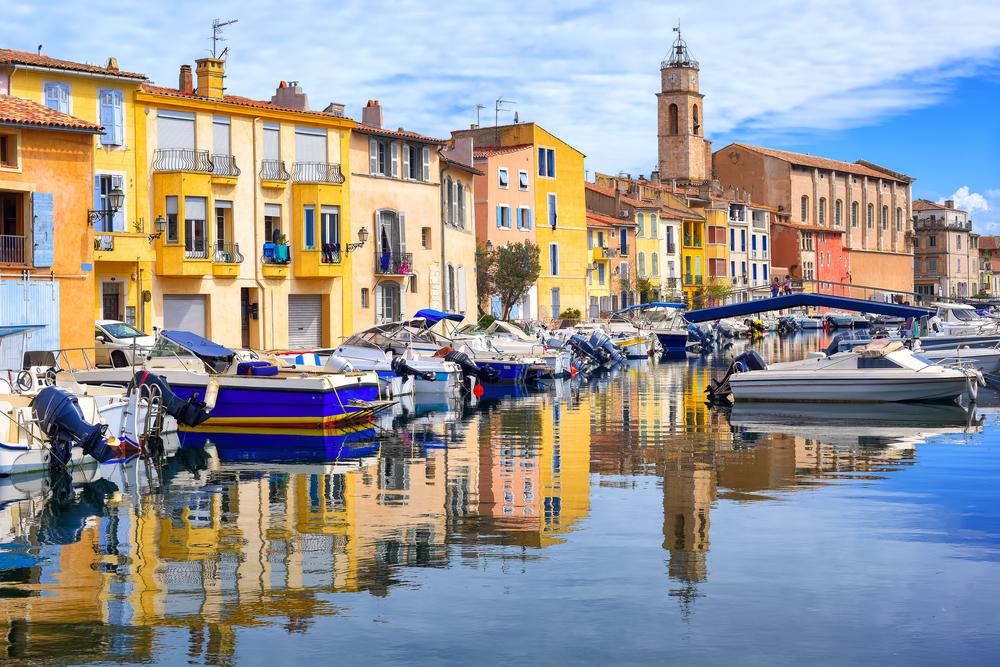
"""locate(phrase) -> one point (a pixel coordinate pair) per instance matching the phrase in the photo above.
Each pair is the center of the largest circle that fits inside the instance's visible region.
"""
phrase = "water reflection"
(236, 531)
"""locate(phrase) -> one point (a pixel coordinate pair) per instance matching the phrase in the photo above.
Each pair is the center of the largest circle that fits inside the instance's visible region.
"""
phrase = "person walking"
(774, 287)
(787, 288)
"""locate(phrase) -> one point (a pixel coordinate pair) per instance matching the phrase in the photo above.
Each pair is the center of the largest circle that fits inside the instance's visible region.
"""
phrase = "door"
(245, 316)
(111, 301)
(185, 312)
(305, 321)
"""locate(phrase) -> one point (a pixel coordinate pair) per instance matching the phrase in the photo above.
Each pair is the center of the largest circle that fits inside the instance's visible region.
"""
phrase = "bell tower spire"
(684, 154)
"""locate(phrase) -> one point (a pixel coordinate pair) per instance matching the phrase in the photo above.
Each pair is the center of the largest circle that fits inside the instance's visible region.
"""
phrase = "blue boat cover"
(804, 299)
(196, 344)
(14, 329)
(434, 316)
(651, 304)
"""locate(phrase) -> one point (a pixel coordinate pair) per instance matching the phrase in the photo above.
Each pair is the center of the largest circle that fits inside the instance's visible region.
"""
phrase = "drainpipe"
(444, 212)
(258, 265)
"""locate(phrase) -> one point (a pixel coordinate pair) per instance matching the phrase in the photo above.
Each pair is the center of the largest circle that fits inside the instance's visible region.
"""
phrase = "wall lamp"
(362, 239)
(115, 200)
(159, 225)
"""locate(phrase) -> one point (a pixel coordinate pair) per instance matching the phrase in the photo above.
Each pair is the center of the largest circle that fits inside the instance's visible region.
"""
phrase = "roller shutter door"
(305, 321)
(185, 312)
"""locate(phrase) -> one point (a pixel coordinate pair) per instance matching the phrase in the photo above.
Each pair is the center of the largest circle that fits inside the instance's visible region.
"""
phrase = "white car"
(119, 344)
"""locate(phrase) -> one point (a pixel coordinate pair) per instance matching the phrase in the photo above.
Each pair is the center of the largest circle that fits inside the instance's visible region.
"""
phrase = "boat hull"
(672, 341)
(884, 387)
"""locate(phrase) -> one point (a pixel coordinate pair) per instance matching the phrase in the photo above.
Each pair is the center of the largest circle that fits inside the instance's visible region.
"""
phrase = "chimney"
(371, 115)
(335, 109)
(290, 95)
(211, 73)
(949, 203)
(185, 84)
(460, 150)
(113, 64)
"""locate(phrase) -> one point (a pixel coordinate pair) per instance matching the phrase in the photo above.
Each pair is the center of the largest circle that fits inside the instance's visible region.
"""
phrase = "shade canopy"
(434, 316)
(202, 347)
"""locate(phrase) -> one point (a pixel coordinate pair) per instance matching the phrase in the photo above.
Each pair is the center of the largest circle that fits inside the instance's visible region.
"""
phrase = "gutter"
(72, 72)
(50, 128)
(444, 212)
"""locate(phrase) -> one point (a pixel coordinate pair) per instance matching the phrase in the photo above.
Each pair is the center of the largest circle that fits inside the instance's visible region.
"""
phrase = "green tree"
(516, 268)
(485, 268)
(717, 290)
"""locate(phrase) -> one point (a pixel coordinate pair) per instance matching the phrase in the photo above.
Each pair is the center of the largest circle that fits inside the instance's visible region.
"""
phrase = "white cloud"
(968, 201)
(588, 71)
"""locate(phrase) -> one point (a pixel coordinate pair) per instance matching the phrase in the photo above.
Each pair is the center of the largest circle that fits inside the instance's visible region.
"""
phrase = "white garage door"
(185, 312)
(305, 321)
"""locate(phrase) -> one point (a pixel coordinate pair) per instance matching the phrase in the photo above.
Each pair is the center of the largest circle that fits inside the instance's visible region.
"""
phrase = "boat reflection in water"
(284, 445)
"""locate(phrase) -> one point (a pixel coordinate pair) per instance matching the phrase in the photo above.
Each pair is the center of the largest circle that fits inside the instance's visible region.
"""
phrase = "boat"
(985, 359)
(251, 393)
(510, 338)
(664, 321)
(883, 371)
(959, 319)
(840, 320)
(805, 322)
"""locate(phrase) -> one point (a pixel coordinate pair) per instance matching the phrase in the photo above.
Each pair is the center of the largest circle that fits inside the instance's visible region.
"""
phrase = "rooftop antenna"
(496, 114)
(479, 107)
(217, 26)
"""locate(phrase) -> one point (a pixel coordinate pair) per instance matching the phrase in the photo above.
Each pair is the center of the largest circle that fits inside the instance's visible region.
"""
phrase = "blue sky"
(912, 85)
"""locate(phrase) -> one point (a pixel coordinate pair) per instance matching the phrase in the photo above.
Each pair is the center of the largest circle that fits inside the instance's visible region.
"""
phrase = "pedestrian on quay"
(774, 287)
(787, 288)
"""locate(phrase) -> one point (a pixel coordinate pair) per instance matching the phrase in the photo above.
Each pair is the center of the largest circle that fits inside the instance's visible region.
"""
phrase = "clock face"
(672, 78)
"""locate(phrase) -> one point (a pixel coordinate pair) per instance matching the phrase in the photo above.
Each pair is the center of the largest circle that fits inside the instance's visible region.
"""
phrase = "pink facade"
(504, 195)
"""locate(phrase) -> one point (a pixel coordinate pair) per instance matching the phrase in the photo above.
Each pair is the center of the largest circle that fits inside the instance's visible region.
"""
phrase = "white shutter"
(378, 304)
(220, 136)
(310, 144)
(394, 158)
(175, 129)
(402, 303)
(461, 288)
(402, 232)
(426, 171)
(272, 141)
(194, 208)
(448, 277)
(372, 156)
(406, 160)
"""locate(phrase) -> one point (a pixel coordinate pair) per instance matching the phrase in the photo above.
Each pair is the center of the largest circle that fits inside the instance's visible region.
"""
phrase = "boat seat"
(256, 368)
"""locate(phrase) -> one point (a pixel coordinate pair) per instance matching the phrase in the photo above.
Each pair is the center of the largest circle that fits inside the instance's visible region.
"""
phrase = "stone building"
(946, 252)
(684, 153)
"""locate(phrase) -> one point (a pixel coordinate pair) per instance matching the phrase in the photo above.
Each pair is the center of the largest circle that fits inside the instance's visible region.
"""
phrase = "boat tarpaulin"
(14, 329)
(804, 299)
(434, 316)
(202, 347)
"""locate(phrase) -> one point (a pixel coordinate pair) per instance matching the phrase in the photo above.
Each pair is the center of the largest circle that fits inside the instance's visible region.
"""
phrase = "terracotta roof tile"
(400, 134)
(461, 165)
(802, 159)
(599, 220)
(609, 192)
(232, 99)
(19, 111)
(927, 205)
(490, 151)
(989, 242)
(12, 57)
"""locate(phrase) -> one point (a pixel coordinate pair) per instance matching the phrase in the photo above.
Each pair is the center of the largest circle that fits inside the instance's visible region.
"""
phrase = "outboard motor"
(583, 348)
(338, 364)
(469, 368)
(695, 333)
(718, 390)
(612, 351)
(597, 341)
(404, 370)
(59, 414)
(188, 413)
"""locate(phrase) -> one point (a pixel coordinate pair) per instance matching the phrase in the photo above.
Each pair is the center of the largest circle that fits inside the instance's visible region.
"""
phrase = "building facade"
(684, 153)
(946, 259)
(989, 265)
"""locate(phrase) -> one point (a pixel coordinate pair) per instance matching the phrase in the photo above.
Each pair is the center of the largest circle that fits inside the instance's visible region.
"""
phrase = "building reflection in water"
(205, 547)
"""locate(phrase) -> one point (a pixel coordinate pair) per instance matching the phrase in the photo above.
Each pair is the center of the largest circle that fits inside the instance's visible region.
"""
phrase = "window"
(804, 208)
(600, 273)
(916, 242)
(364, 297)
(111, 116)
(763, 243)
(329, 232)
(854, 214)
(522, 179)
(174, 130)
(553, 214)
(672, 113)
(556, 307)
(382, 158)
(623, 242)
(884, 220)
(640, 220)
(958, 265)
(870, 219)
(764, 274)
(716, 234)
(754, 267)
(807, 240)
(732, 268)
(838, 212)
(220, 136)
(695, 124)
(503, 216)
(554, 259)
(272, 222)
(57, 96)
(524, 218)
(413, 283)
(309, 227)
(717, 267)
(899, 219)
(195, 228)
(103, 185)
(958, 242)
(460, 193)
(932, 266)
(425, 237)
(272, 141)
(653, 232)
(641, 264)
(310, 153)
(590, 239)
(654, 264)
(8, 151)
(807, 270)
(223, 225)
(732, 240)
(931, 241)
(743, 240)
(503, 179)
(822, 210)
(416, 163)
(547, 162)
(171, 210)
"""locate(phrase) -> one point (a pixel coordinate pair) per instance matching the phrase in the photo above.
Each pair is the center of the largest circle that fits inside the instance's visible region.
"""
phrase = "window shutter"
(117, 113)
(118, 220)
(454, 201)
(98, 203)
(541, 161)
(373, 163)
(394, 158)
(461, 288)
(402, 232)
(427, 163)
(461, 206)
(499, 217)
(107, 117)
(552, 162)
(448, 278)
(42, 229)
(406, 160)
(378, 304)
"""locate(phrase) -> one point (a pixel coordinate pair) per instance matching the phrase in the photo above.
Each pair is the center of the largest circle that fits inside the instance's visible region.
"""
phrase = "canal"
(617, 520)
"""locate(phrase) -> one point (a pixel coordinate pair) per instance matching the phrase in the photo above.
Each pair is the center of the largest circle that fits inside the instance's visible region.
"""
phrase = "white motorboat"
(884, 371)
(805, 321)
(959, 319)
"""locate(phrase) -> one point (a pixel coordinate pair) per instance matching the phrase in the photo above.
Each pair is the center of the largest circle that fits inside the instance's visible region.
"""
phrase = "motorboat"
(841, 320)
(883, 371)
(806, 322)
(959, 319)
(731, 327)
(985, 359)
(509, 338)
(664, 321)
(250, 393)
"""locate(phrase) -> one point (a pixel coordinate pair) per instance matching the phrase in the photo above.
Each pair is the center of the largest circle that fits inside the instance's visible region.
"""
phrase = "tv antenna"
(479, 107)
(217, 26)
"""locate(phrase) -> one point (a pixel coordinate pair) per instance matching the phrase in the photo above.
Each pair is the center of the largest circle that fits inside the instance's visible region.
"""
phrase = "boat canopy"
(199, 346)
(952, 306)
(434, 316)
(804, 299)
(15, 329)
(651, 304)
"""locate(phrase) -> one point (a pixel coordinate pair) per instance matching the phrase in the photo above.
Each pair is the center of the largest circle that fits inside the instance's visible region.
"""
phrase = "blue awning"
(198, 345)
(14, 329)
(803, 299)
(434, 316)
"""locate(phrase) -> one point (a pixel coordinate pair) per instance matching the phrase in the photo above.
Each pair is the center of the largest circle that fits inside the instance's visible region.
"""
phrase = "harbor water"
(615, 519)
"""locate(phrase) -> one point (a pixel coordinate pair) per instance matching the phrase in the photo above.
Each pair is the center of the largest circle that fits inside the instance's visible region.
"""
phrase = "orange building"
(45, 238)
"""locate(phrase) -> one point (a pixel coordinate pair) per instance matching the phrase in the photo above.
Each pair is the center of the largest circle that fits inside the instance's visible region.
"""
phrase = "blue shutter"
(552, 163)
(98, 199)
(107, 118)
(499, 217)
(541, 161)
(117, 115)
(42, 229)
(528, 218)
(763, 243)
(732, 240)
(118, 220)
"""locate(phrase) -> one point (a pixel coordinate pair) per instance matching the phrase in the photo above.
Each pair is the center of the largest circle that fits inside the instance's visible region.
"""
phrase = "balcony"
(319, 262)
(609, 253)
(11, 249)
(393, 264)
(273, 174)
(316, 172)
(759, 222)
(196, 250)
(122, 247)
(182, 260)
(692, 241)
(690, 279)
(226, 259)
(182, 159)
(276, 260)
(941, 223)
(224, 169)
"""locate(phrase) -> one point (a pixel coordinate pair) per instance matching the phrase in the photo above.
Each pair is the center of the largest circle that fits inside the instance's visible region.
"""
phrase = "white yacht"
(959, 319)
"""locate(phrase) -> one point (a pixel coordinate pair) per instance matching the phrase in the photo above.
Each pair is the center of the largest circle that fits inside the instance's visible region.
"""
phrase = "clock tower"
(684, 154)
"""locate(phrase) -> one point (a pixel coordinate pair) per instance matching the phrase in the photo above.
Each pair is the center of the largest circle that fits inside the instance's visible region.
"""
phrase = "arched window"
(388, 302)
(838, 213)
(642, 264)
(822, 210)
(673, 119)
(884, 220)
(870, 217)
(654, 268)
(805, 208)
(899, 219)
(854, 214)
(695, 121)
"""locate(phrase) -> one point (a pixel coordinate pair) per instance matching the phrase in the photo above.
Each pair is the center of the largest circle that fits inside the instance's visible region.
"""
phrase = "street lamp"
(489, 245)
(159, 225)
(115, 200)
(362, 239)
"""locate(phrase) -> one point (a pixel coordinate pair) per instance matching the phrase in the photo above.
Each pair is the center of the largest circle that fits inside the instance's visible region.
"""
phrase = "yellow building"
(693, 257)
(649, 260)
(717, 243)
(560, 213)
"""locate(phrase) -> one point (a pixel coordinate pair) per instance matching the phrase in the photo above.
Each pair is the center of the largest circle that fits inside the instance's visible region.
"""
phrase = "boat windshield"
(164, 347)
(965, 315)
(121, 330)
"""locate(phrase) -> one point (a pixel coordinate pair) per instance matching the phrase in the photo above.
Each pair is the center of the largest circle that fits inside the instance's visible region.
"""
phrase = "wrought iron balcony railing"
(196, 249)
(181, 159)
(609, 253)
(331, 253)
(393, 263)
(11, 249)
(316, 172)
(104, 242)
(227, 253)
(273, 170)
(224, 165)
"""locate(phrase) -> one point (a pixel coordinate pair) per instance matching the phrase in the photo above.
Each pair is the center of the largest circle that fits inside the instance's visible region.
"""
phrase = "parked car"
(119, 344)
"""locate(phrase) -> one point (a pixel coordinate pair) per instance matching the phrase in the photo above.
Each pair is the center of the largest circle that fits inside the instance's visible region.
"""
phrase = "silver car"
(119, 344)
